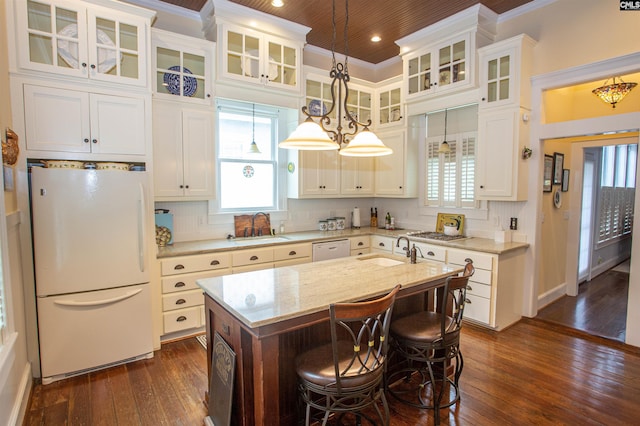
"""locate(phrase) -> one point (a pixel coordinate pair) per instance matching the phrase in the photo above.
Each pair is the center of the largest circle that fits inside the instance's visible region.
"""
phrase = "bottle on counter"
(374, 219)
(387, 221)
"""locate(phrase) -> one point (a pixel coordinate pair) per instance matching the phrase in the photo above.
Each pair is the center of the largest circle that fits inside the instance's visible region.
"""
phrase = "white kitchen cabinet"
(356, 176)
(501, 172)
(183, 151)
(182, 299)
(255, 259)
(396, 175)
(505, 72)
(359, 245)
(429, 251)
(254, 57)
(81, 122)
(84, 40)
(439, 68)
(382, 244)
(494, 292)
(314, 174)
(390, 108)
(292, 254)
(182, 67)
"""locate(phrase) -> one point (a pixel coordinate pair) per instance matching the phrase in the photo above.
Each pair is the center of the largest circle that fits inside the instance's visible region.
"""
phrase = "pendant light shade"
(615, 92)
(253, 148)
(365, 144)
(309, 136)
(444, 146)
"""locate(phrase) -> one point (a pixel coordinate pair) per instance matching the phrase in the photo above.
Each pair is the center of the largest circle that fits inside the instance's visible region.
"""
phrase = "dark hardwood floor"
(533, 373)
(600, 308)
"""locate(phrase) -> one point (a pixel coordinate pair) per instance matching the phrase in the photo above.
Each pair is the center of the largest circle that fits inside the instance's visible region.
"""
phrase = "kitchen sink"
(250, 241)
(381, 261)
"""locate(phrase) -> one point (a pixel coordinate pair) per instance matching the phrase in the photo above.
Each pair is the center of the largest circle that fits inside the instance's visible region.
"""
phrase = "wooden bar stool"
(346, 375)
(428, 342)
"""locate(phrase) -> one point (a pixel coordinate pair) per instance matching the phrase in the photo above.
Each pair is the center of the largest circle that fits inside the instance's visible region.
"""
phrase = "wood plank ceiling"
(391, 20)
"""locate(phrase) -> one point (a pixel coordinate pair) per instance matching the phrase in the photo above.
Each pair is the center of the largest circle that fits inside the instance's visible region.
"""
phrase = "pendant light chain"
(346, 41)
(333, 38)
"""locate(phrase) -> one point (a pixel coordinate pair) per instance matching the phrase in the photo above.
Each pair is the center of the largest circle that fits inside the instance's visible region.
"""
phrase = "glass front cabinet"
(83, 40)
(253, 57)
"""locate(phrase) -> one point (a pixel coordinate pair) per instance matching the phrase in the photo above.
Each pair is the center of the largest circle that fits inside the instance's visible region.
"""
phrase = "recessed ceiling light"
(375, 39)
(277, 3)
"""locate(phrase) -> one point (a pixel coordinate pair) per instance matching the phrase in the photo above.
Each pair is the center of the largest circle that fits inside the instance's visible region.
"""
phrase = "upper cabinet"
(314, 174)
(396, 175)
(505, 72)
(390, 107)
(252, 57)
(182, 67)
(80, 39)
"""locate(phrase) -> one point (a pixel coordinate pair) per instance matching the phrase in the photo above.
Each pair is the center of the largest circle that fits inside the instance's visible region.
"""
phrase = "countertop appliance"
(326, 250)
(430, 235)
(92, 273)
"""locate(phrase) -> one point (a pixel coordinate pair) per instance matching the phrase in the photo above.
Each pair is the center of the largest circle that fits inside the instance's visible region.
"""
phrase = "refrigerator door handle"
(141, 229)
(98, 302)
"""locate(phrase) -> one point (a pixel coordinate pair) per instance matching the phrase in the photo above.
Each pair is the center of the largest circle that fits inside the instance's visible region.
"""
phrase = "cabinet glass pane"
(365, 100)
(234, 64)
(384, 99)
(492, 69)
(275, 52)
(458, 51)
(290, 56)
(504, 89)
(64, 18)
(492, 91)
(353, 98)
(395, 96)
(458, 72)
(252, 46)
(413, 85)
(105, 32)
(234, 42)
(39, 16)
(504, 66)
(425, 62)
(313, 89)
(413, 66)
(289, 76)
(275, 72)
(445, 56)
(161, 86)
(129, 67)
(129, 37)
(194, 63)
(384, 116)
(166, 58)
(40, 48)
(365, 115)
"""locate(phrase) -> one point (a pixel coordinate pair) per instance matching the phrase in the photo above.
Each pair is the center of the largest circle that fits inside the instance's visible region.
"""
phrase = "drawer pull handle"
(254, 258)
(430, 253)
(360, 243)
(467, 301)
(181, 318)
(381, 244)
(468, 260)
(214, 262)
(292, 253)
(178, 267)
(179, 284)
(469, 288)
(180, 302)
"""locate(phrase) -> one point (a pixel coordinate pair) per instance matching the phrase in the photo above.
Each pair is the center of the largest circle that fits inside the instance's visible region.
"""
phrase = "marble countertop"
(269, 296)
(208, 246)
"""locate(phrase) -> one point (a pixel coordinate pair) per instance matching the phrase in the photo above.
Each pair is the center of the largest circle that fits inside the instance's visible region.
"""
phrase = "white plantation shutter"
(450, 177)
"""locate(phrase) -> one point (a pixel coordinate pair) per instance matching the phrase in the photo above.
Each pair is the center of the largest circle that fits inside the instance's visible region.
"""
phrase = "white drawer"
(477, 308)
(478, 289)
(292, 251)
(182, 299)
(480, 260)
(291, 262)
(382, 243)
(188, 281)
(256, 267)
(253, 256)
(182, 319)
(195, 263)
(358, 243)
(437, 253)
(358, 252)
(481, 276)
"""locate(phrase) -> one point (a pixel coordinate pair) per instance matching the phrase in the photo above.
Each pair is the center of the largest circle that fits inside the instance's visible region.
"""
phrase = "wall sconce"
(526, 153)
(10, 149)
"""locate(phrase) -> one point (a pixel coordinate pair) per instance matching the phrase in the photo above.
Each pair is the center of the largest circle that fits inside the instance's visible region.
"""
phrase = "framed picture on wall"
(547, 179)
(565, 180)
(558, 164)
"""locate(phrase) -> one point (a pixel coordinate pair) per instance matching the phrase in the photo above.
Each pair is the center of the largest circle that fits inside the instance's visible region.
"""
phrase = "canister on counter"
(322, 225)
(332, 224)
(340, 223)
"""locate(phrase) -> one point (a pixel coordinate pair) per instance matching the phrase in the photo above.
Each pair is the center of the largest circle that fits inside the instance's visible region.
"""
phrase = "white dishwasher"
(326, 250)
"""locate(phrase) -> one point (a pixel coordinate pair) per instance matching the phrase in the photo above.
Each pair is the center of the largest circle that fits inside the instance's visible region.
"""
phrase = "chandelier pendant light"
(444, 146)
(615, 92)
(359, 141)
(253, 148)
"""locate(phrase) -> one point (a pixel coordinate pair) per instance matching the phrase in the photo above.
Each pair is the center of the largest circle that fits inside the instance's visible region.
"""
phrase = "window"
(248, 180)
(617, 191)
(450, 177)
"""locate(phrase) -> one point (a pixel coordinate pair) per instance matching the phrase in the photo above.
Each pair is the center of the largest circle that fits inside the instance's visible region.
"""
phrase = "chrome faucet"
(407, 247)
(253, 224)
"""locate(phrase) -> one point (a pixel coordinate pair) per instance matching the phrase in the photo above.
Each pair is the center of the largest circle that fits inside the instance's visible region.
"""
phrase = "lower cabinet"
(270, 257)
(359, 245)
(382, 244)
(182, 299)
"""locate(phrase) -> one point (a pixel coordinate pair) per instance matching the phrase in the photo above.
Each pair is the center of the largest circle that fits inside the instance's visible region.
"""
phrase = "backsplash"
(192, 221)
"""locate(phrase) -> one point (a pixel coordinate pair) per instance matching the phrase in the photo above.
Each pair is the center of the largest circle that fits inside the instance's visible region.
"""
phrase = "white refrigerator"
(92, 272)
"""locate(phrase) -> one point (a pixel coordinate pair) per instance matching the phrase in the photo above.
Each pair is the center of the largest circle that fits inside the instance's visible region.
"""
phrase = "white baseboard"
(21, 404)
(552, 295)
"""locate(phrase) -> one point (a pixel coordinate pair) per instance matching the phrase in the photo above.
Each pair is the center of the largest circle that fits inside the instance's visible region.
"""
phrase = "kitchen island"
(269, 316)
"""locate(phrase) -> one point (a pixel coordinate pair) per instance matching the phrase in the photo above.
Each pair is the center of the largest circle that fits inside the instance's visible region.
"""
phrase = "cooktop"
(429, 235)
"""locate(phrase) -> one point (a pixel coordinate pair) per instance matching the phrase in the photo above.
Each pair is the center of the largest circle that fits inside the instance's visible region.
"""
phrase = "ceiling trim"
(524, 9)
(157, 5)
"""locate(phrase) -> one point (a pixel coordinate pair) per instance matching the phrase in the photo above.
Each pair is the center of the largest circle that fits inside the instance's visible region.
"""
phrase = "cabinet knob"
(484, 99)
(93, 66)
(481, 186)
(186, 186)
(86, 140)
(208, 95)
(94, 140)
(181, 186)
(84, 65)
